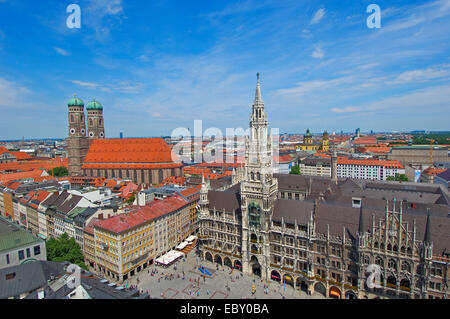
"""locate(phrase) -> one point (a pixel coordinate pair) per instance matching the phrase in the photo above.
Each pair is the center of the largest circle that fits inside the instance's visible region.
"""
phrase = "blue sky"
(159, 65)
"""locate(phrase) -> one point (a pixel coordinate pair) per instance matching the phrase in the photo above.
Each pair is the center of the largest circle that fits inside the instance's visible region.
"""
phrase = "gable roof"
(138, 150)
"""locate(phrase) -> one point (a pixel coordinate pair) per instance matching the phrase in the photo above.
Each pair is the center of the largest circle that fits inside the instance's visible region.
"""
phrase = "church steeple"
(258, 98)
(258, 113)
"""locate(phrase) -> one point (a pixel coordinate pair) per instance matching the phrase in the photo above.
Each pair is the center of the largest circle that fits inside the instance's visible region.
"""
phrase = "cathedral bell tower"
(77, 143)
(258, 192)
(95, 121)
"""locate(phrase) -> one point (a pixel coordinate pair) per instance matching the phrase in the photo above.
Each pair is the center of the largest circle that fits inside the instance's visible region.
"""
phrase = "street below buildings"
(183, 280)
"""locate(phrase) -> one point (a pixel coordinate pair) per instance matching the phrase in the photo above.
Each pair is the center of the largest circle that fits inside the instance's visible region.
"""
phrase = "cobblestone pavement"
(222, 285)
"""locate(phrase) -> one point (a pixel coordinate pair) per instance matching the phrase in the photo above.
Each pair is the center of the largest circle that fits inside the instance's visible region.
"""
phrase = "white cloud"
(122, 86)
(318, 16)
(238, 8)
(348, 109)
(422, 75)
(88, 85)
(306, 34)
(62, 51)
(435, 98)
(317, 53)
(12, 94)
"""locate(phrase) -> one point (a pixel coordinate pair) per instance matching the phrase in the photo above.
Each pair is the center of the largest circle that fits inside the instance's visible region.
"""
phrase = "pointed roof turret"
(258, 98)
(427, 237)
(361, 221)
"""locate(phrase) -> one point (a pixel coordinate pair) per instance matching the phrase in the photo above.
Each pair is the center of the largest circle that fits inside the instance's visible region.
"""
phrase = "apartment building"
(129, 242)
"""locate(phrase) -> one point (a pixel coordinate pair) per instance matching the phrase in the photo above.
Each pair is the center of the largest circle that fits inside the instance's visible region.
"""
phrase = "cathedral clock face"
(91, 134)
(72, 131)
(82, 131)
(101, 134)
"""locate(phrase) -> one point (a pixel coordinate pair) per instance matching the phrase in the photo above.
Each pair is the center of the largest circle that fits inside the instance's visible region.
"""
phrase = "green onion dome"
(75, 101)
(94, 105)
(308, 134)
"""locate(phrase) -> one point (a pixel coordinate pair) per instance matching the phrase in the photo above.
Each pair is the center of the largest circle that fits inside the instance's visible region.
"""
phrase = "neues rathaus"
(326, 235)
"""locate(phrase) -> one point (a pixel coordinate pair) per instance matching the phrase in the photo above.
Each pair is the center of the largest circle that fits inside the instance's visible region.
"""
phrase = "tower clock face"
(72, 131)
(101, 134)
(82, 131)
(91, 134)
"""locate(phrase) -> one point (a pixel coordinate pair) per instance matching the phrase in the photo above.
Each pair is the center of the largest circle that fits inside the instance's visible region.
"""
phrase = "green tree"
(65, 248)
(398, 178)
(295, 170)
(58, 171)
(131, 199)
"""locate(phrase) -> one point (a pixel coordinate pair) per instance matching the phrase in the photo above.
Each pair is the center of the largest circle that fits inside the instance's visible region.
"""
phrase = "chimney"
(100, 216)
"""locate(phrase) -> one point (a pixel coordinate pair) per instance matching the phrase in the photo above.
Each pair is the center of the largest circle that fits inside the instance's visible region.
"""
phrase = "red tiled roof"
(190, 191)
(132, 166)
(139, 150)
(31, 165)
(433, 171)
(34, 174)
(90, 227)
(21, 156)
(388, 164)
(365, 140)
(379, 150)
(140, 215)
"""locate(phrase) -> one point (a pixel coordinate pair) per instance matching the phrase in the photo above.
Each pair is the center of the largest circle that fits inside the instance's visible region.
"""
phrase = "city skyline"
(155, 68)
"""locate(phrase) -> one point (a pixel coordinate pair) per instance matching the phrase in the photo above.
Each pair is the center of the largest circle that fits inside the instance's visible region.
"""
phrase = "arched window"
(90, 122)
(379, 261)
(72, 118)
(252, 176)
(406, 266)
(258, 176)
(392, 264)
(366, 260)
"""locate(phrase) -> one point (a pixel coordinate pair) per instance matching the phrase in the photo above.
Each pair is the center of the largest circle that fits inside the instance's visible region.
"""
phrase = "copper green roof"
(94, 105)
(75, 101)
(13, 236)
(308, 134)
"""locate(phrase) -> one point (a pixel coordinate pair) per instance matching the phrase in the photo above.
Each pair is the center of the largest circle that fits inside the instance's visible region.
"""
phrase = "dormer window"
(356, 202)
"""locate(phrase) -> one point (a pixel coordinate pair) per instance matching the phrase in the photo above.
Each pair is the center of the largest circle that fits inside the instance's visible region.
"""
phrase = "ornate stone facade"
(324, 235)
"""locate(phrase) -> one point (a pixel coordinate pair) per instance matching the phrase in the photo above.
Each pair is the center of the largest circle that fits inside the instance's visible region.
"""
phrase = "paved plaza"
(222, 285)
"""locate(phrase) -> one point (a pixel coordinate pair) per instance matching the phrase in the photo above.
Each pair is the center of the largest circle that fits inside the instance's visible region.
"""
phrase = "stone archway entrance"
(350, 295)
(302, 285)
(218, 259)
(320, 289)
(237, 265)
(288, 280)
(208, 256)
(275, 275)
(335, 293)
(255, 266)
(227, 262)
